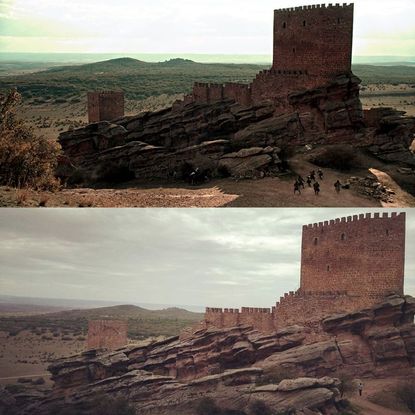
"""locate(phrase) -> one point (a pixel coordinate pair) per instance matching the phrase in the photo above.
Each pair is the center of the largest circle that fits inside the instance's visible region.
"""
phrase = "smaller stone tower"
(107, 334)
(105, 105)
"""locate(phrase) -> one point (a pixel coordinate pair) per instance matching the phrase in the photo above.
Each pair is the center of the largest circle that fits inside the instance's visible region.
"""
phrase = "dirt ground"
(267, 192)
(401, 97)
(28, 354)
(378, 397)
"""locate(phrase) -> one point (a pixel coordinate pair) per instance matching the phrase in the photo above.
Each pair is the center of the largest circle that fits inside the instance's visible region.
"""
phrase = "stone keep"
(107, 334)
(347, 264)
(105, 106)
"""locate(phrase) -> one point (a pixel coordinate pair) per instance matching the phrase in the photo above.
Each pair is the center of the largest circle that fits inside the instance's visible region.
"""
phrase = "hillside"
(138, 79)
(141, 80)
(142, 323)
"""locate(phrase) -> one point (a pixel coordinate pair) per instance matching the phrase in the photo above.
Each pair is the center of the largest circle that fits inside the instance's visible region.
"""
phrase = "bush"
(405, 392)
(101, 405)
(26, 160)
(207, 406)
(260, 408)
(223, 171)
(338, 157)
(38, 381)
(113, 173)
(346, 383)
(275, 376)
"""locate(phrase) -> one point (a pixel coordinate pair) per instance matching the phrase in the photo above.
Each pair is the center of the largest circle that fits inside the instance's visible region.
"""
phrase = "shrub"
(113, 173)
(405, 392)
(260, 408)
(101, 405)
(223, 171)
(26, 160)
(38, 381)
(346, 383)
(275, 376)
(338, 157)
(207, 406)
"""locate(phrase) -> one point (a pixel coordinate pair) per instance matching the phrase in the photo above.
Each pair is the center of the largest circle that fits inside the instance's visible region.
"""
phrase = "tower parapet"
(347, 264)
(317, 39)
(361, 255)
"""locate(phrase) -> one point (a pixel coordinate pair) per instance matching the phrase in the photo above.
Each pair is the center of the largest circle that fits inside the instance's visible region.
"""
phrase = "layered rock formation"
(211, 136)
(229, 365)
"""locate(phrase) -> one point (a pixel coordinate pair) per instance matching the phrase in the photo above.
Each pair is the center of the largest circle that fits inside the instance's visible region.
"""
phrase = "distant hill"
(142, 323)
(140, 80)
(125, 312)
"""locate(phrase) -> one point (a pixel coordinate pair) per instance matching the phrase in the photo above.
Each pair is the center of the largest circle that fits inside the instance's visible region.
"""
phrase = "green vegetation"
(141, 80)
(101, 405)
(275, 376)
(142, 323)
(208, 406)
(26, 160)
(405, 393)
(385, 74)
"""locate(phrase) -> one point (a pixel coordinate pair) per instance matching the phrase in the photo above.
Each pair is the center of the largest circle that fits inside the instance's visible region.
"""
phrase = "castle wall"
(259, 318)
(360, 255)
(105, 106)
(93, 107)
(107, 334)
(317, 39)
(309, 307)
(347, 264)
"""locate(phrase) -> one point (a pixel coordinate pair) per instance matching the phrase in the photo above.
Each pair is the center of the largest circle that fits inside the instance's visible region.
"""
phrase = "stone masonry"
(312, 45)
(105, 106)
(347, 264)
(107, 334)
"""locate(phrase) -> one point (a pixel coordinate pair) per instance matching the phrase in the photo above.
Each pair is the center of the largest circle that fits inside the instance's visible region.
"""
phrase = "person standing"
(360, 387)
(316, 186)
(337, 186)
(297, 188)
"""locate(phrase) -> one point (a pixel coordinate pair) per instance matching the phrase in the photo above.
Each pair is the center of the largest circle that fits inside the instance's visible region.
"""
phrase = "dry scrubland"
(55, 100)
(28, 343)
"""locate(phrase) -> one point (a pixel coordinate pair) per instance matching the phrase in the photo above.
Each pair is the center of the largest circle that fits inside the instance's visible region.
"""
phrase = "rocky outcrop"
(390, 135)
(237, 364)
(227, 137)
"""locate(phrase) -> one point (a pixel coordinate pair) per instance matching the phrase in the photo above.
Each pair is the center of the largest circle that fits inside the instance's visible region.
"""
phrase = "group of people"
(312, 182)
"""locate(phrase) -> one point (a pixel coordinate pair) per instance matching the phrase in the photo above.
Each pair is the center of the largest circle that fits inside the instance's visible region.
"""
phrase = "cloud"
(217, 257)
(161, 26)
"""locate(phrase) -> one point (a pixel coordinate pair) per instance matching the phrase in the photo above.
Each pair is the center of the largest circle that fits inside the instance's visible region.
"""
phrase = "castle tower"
(315, 39)
(361, 255)
(107, 334)
(105, 106)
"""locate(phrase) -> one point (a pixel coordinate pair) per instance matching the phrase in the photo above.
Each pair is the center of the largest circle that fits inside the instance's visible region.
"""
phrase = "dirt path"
(370, 408)
(402, 198)
(267, 192)
(378, 395)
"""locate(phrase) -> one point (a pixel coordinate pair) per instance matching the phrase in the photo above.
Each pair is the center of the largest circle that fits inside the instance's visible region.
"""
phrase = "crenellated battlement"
(348, 263)
(315, 7)
(356, 218)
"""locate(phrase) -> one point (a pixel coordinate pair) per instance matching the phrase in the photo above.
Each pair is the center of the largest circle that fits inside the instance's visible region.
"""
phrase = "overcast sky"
(214, 257)
(382, 27)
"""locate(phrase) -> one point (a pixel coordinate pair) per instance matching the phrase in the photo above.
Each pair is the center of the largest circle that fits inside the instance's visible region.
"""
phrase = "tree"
(26, 160)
